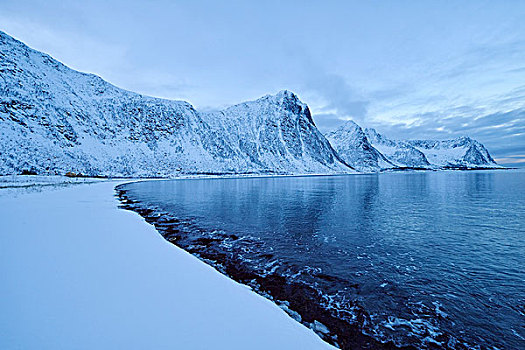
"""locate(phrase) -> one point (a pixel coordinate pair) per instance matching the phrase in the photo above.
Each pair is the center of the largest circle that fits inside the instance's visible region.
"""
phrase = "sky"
(410, 69)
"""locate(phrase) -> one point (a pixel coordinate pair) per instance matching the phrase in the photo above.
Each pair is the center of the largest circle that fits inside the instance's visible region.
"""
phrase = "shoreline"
(86, 178)
(289, 296)
(281, 304)
(301, 301)
(81, 273)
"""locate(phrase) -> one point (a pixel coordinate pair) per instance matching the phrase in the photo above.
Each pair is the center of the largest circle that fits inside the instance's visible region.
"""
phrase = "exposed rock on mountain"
(276, 131)
(56, 120)
(370, 151)
(351, 142)
(460, 152)
(400, 153)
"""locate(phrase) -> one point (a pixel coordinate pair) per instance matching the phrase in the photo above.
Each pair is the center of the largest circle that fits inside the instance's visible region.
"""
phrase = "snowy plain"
(79, 273)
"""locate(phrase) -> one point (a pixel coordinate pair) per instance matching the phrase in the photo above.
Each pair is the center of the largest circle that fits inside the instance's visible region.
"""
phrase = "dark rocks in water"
(340, 328)
(28, 172)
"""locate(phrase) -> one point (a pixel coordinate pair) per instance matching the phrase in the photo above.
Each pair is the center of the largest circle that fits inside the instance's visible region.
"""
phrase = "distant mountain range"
(367, 150)
(55, 120)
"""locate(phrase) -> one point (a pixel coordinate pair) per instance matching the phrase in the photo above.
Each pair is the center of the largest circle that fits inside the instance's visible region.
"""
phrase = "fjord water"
(434, 258)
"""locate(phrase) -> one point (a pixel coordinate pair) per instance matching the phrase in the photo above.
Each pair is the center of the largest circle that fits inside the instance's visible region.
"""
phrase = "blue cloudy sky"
(411, 69)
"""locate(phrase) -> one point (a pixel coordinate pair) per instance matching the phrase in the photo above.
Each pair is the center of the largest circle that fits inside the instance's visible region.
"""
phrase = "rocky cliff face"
(54, 120)
(276, 132)
(462, 152)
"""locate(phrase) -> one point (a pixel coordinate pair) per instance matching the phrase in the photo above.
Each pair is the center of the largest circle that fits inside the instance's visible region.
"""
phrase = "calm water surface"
(434, 258)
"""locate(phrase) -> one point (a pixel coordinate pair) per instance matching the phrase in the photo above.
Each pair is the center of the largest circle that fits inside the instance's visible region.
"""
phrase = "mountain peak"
(286, 94)
(349, 125)
(465, 139)
(283, 96)
(289, 99)
(350, 141)
(56, 120)
(348, 128)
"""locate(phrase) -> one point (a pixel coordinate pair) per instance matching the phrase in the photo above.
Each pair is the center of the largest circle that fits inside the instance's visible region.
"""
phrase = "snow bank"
(78, 273)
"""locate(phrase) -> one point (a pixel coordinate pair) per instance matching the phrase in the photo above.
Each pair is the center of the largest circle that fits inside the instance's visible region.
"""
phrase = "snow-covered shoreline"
(80, 273)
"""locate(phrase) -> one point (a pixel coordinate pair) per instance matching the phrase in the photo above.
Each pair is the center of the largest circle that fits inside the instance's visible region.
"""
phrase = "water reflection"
(444, 249)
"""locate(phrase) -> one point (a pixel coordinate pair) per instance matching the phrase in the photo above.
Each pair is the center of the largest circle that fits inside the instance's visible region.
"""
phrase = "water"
(427, 259)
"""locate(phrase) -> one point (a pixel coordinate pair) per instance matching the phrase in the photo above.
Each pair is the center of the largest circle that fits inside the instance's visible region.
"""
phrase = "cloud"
(327, 121)
(337, 101)
(512, 161)
(331, 97)
(432, 77)
(503, 133)
(338, 95)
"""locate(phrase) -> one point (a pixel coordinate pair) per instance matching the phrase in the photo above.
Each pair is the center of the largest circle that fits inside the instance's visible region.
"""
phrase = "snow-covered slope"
(367, 150)
(54, 120)
(79, 273)
(351, 143)
(399, 153)
(459, 152)
(462, 152)
(276, 132)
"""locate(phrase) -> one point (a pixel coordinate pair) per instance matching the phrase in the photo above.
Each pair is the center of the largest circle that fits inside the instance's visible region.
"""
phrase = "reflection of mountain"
(381, 241)
(300, 210)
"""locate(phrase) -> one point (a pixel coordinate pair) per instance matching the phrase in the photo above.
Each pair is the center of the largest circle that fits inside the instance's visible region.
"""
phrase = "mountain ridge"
(352, 144)
(54, 120)
(57, 120)
(355, 144)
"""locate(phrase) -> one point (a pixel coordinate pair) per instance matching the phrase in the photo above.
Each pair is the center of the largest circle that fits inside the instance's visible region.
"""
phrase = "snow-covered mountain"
(459, 152)
(276, 131)
(368, 150)
(351, 142)
(55, 120)
(462, 152)
(400, 153)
